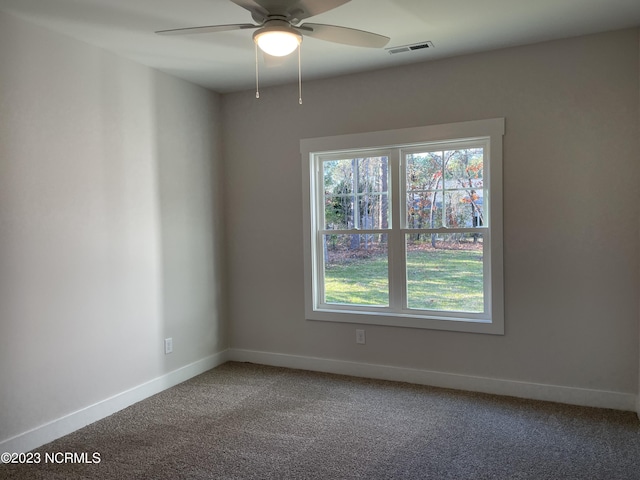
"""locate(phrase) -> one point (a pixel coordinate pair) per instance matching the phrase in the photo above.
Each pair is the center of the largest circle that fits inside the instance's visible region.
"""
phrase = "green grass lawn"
(358, 282)
(438, 279)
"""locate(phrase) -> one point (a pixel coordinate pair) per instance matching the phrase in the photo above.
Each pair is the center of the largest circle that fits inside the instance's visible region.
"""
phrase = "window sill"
(407, 320)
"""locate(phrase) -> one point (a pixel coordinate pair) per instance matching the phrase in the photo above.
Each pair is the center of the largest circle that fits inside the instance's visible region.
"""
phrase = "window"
(404, 227)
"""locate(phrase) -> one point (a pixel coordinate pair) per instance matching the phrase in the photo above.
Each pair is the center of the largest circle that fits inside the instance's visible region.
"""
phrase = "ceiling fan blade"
(310, 8)
(258, 12)
(344, 35)
(207, 29)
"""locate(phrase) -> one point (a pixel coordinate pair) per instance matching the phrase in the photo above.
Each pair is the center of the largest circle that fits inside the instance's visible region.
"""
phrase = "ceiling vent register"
(410, 48)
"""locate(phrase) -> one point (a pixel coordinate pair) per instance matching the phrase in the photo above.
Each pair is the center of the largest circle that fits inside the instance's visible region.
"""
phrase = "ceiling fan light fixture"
(277, 40)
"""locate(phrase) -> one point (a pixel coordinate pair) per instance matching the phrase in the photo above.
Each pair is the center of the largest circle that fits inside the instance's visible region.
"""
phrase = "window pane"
(424, 189)
(464, 208)
(424, 171)
(424, 209)
(361, 181)
(356, 270)
(445, 272)
(372, 174)
(464, 168)
(372, 210)
(338, 176)
(338, 212)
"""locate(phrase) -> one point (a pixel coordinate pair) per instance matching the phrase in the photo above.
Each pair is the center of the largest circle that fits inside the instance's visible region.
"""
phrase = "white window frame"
(394, 143)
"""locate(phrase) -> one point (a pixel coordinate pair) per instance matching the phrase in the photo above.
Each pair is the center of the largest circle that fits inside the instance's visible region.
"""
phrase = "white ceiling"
(224, 61)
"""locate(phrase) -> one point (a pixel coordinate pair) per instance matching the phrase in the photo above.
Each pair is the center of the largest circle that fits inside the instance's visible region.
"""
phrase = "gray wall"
(110, 229)
(570, 216)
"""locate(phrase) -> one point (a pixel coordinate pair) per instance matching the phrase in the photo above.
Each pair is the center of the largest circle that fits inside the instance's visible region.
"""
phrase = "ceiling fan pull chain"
(257, 90)
(299, 77)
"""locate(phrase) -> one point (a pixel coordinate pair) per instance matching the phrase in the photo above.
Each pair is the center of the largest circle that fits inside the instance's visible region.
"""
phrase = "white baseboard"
(534, 391)
(69, 423)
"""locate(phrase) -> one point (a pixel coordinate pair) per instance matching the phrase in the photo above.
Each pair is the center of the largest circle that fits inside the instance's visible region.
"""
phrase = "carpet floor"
(246, 421)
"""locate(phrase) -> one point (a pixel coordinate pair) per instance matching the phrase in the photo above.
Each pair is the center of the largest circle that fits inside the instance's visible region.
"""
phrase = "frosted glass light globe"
(278, 43)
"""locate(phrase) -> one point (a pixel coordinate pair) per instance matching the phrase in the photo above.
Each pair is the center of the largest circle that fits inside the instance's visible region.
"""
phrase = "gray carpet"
(244, 421)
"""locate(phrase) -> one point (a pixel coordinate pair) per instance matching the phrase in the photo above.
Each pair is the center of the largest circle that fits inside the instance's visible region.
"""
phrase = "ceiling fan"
(278, 29)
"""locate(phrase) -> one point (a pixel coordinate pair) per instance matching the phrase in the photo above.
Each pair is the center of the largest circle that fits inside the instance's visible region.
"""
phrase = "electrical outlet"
(168, 345)
(360, 338)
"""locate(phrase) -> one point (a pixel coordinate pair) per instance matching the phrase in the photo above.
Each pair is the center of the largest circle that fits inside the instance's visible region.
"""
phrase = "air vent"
(409, 48)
